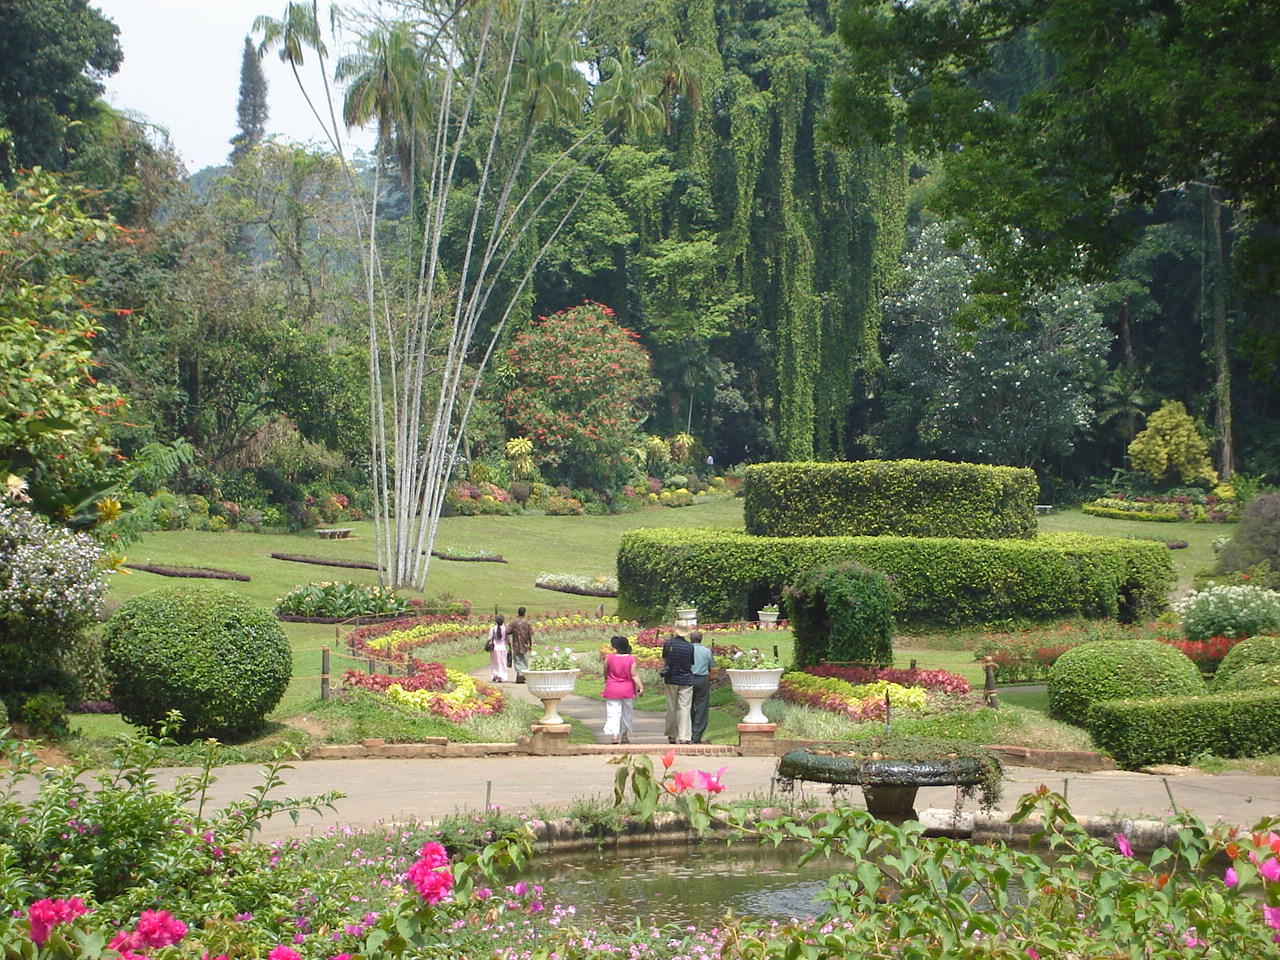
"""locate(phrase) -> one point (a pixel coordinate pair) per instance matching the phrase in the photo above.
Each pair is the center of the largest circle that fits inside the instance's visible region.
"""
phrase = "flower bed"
(861, 703)
(396, 642)
(942, 681)
(341, 600)
(426, 676)
(196, 573)
(657, 636)
(1164, 509)
(601, 586)
(463, 697)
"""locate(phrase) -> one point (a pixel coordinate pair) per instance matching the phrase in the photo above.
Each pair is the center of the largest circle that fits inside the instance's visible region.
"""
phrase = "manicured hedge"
(945, 581)
(1118, 669)
(1179, 729)
(903, 498)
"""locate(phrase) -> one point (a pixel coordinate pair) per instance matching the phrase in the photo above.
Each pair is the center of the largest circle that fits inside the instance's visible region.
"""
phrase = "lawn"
(531, 545)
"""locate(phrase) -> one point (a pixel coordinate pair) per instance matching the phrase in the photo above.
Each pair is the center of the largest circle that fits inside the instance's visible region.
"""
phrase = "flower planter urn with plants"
(754, 677)
(768, 614)
(891, 767)
(550, 678)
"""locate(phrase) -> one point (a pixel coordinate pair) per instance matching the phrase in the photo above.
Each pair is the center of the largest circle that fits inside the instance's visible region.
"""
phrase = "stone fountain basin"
(800, 764)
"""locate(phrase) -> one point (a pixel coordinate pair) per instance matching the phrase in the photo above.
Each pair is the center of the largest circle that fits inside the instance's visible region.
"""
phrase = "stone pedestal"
(550, 739)
(757, 739)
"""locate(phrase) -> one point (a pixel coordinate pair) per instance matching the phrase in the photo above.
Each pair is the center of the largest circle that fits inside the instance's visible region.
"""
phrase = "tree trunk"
(1217, 317)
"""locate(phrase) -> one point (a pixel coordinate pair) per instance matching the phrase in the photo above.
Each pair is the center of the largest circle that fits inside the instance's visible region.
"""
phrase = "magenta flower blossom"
(284, 953)
(1230, 878)
(1270, 870)
(158, 928)
(1272, 916)
(44, 915)
(1122, 842)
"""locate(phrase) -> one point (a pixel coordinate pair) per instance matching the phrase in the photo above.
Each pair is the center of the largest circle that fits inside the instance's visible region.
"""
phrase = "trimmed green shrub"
(904, 498)
(1258, 538)
(1253, 652)
(942, 581)
(1260, 676)
(1178, 729)
(841, 612)
(1118, 670)
(1226, 610)
(220, 659)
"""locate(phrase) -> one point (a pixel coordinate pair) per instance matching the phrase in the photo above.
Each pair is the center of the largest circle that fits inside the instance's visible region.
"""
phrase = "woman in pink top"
(621, 687)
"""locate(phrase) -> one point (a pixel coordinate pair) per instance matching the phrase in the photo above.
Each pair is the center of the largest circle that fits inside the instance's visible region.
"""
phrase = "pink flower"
(1031, 952)
(668, 759)
(157, 928)
(1230, 878)
(713, 784)
(434, 855)
(44, 915)
(1272, 916)
(434, 886)
(1271, 870)
(1122, 842)
(284, 953)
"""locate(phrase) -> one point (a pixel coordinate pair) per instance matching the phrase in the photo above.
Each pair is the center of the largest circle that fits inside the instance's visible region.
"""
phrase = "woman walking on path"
(622, 685)
(497, 647)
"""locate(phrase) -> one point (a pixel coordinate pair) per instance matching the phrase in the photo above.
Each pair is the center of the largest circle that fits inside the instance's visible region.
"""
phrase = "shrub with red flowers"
(580, 384)
(1205, 654)
(1027, 654)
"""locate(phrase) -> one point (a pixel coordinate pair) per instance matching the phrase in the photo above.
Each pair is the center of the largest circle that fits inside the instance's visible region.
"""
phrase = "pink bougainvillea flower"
(1122, 842)
(1270, 870)
(435, 886)
(713, 783)
(1230, 878)
(1271, 915)
(158, 928)
(284, 953)
(669, 759)
(1031, 952)
(434, 854)
(44, 915)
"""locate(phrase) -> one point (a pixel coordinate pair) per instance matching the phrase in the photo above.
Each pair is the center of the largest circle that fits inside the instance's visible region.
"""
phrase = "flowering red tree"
(580, 388)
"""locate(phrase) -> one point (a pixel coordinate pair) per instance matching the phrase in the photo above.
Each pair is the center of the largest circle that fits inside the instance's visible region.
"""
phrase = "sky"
(181, 71)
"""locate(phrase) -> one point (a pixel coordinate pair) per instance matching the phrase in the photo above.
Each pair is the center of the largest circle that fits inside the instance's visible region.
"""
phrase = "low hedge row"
(1179, 729)
(904, 498)
(943, 581)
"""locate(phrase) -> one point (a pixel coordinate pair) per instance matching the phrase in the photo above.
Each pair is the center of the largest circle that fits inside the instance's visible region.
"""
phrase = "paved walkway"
(379, 791)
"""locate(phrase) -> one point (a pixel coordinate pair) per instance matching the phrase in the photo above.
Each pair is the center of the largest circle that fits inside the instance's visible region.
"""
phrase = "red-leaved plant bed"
(425, 676)
(1206, 654)
(195, 573)
(942, 681)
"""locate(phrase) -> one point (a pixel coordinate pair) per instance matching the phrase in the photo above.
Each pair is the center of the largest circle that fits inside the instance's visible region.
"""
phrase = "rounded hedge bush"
(220, 659)
(1253, 652)
(1125, 669)
(1260, 676)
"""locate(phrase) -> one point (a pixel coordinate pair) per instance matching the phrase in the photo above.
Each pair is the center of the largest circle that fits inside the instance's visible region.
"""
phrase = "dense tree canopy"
(52, 53)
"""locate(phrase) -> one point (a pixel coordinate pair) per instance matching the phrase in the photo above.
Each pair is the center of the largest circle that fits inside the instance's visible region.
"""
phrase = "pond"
(680, 884)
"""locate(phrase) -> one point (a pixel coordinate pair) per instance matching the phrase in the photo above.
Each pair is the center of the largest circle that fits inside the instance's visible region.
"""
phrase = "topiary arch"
(841, 612)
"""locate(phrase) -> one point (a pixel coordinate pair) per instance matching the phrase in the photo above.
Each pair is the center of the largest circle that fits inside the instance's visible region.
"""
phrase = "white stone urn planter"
(755, 687)
(550, 686)
(686, 614)
(768, 616)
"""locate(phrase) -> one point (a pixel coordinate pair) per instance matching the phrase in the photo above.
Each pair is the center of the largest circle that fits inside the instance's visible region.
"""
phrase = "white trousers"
(619, 717)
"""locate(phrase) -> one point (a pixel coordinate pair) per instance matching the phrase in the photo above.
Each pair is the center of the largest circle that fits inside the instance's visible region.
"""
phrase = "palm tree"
(389, 83)
(627, 97)
(296, 31)
(675, 69)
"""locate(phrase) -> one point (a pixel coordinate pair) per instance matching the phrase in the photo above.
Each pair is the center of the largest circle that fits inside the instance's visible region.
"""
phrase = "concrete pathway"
(380, 791)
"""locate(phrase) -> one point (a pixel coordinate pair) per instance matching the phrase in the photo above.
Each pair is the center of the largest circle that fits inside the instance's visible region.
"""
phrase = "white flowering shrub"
(1229, 611)
(52, 584)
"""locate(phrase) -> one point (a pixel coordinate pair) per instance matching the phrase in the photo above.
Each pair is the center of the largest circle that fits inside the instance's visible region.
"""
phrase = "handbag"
(488, 646)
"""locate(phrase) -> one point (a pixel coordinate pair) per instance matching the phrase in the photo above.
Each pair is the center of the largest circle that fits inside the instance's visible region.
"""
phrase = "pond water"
(684, 884)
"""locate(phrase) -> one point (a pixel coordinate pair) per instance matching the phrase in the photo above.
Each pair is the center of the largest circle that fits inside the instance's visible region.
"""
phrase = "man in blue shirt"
(677, 675)
(700, 708)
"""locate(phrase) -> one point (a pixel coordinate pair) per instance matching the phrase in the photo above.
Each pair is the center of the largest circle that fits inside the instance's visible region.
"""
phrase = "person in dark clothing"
(677, 675)
(700, 706)
(520, 642)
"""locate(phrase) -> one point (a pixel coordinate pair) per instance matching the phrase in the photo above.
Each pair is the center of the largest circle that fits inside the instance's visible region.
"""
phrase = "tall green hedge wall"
(903, 498)
(1179, 729)
(943, 581)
